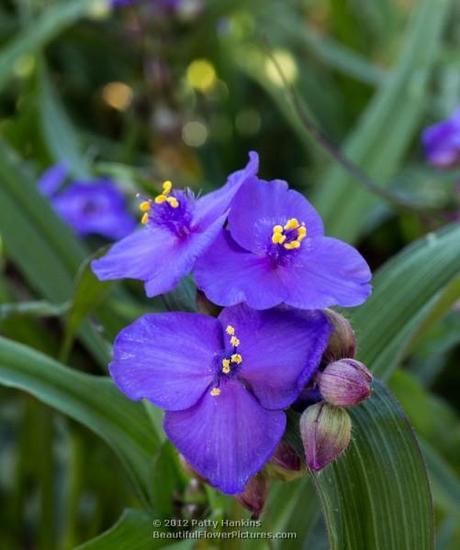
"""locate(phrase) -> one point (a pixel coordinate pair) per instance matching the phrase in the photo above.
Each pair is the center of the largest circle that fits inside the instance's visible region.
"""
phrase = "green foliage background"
(80, 465)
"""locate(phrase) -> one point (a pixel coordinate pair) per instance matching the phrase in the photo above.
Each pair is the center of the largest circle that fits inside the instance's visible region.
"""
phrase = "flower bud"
(342, 342)
(345, 383)
(285, 464)
(325, 432)
(255, 494)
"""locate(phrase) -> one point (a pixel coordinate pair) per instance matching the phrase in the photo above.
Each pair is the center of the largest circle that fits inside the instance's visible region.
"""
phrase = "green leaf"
(331, 52)
(166, 480)
(32, 309)
(405, 291)
(91, 400)
(444, 480)
(437, 431)
(63, 141)
(377, 494)
(39, 243)
(386, 128)
(133, 530)
(182, 298)
(40, 32)
(89, 293)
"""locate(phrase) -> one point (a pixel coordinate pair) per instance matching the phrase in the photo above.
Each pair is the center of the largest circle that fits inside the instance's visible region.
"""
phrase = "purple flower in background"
(225, 386)
(89, 207)
(178, 228)
(161, 4)
(275, 251)
(441, 142)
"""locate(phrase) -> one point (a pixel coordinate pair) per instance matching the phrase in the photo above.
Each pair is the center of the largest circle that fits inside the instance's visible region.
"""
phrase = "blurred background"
(120, 97)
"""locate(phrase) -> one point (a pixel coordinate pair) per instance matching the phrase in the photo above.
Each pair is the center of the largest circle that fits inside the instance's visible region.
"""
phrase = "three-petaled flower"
(225, 387)
(94, 207)
(178, 228)
(275, 251)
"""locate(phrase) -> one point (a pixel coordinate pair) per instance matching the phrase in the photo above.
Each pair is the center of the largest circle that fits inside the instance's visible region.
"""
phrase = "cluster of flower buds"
(325, 427)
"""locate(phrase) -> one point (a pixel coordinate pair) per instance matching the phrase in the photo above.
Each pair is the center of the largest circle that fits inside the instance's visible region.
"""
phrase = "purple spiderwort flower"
(275, 251)
(178, 228)
(441, 142)
(224, 388)
(93, 207)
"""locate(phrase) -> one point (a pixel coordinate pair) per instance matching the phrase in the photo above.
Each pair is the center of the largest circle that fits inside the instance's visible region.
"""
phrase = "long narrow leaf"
(91, 400)
(386, 128)
(405, 291)
(32, 39)
(377, 495)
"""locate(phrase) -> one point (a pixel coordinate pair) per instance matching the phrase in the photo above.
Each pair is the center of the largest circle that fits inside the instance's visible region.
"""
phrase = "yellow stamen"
(145, 218)
(167, 186)
(230, 330)
(165, 195)
(144, 206)
(277, 229)
(225, 363)
(292, 245)
(236, 358)
(278, 238)
(292, 224)
(234, 341)
(226, 370)
(172, 201)
(301, 232)
(215, 392)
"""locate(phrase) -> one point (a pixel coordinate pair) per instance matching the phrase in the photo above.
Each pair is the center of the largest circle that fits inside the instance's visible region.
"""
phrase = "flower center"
(289, 236)
(170, 209)
(164, 197)
(230, 362)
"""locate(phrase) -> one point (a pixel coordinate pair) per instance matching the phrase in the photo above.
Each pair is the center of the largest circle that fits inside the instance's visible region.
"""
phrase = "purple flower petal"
(327, 272)
(261, 205)
(226, 438)
(218, 202)
(230, 275)
(156, 256)
(166, 359)
(52, 179)
(281, 350)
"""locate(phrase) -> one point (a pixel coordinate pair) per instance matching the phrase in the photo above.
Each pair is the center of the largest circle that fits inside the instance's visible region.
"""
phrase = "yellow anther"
(230, 330)
(293, 223)
(215, 392)
(160, 199)
(145, 218)
(172, 201)
(236, 358)
(225, 363)
(301, 232)
(278, 237)
(234, 341)
(292, 245)
(144, 206)
(167, 186)
(226, 370)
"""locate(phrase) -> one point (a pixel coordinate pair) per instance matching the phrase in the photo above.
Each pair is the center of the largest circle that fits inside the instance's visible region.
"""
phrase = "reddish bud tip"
(255, 494)
(345, 383)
